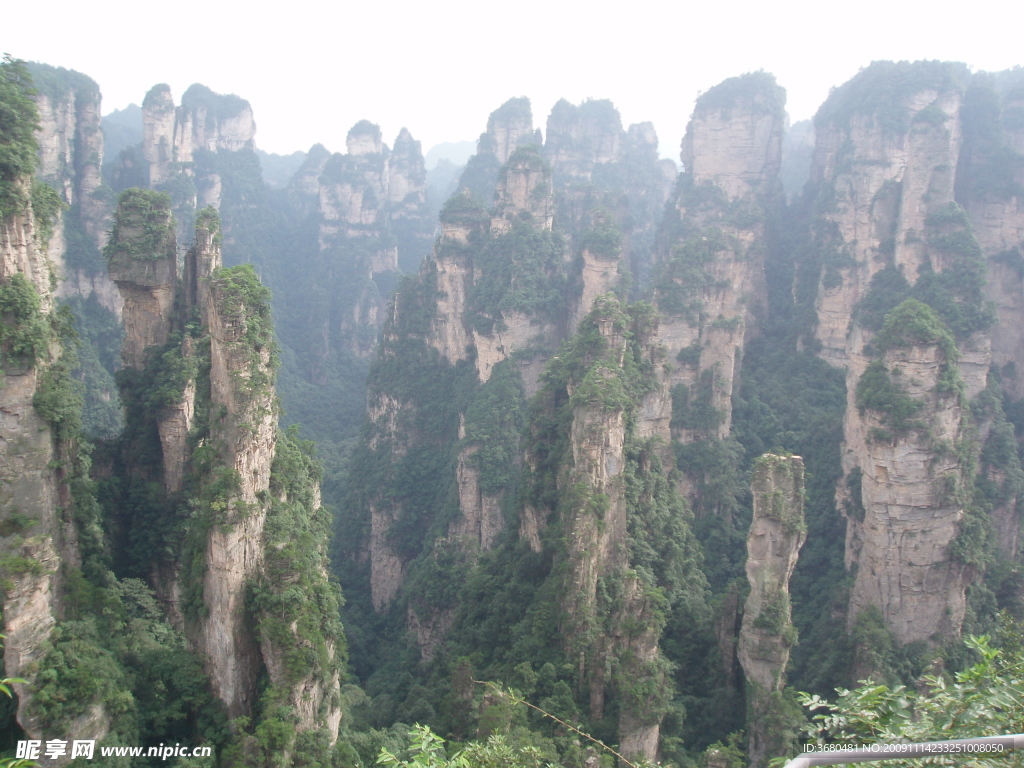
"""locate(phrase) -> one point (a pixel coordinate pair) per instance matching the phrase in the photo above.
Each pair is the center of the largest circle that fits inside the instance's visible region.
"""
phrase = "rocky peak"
(205, 121)
(578, 138)
(734, 138)
(713, 246)
(407, 179)
(218, 121)
(364, 138)
(508, 127)
(158, 131)
(304, 187)
(70, 139)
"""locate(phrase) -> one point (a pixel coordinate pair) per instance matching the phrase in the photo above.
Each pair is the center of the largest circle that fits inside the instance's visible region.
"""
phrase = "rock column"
(777, 532)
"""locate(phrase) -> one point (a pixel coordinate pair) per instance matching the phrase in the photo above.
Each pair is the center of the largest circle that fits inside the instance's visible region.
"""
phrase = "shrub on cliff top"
(219, 106)
(143, 227)
(876, 391)
(914, 323)
(57, 83)
(517, 108)
(462, 208)
(209, 220)
(882, 90)
(240, 293)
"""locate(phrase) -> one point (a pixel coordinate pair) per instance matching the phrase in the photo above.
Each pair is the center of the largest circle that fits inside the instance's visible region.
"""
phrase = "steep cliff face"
(257, 522)
(244, 431)
(890, 231)
(777, 532)
(143, 263)
(490, 293)
(989, 178)
(989, 186)
(41, 466)
(304, 187)
(586, 498)
(372, 214)
(407, 197)
(70, 160)
(489, 277)
(611, 190)
(509, 127)
(595, 520)
(710, 282)
(205, 121)
(911, 493)
(887, 168)
(35, 534)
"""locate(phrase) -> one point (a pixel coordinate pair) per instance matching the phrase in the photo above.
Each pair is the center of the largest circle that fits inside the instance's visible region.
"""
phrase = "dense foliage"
(143, 227)
(983, 699)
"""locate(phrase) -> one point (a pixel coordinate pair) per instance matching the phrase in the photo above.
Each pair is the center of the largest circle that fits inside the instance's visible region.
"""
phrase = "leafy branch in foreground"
(985, 699)
(510, 695)
(5, 688)
(426, 749)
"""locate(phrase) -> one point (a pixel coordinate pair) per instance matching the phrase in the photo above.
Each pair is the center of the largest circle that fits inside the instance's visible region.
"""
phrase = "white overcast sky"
(312, 69)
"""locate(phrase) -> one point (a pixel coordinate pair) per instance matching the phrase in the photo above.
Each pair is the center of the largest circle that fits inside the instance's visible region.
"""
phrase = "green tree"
(5, 688)
(426, 750)
(986, 699)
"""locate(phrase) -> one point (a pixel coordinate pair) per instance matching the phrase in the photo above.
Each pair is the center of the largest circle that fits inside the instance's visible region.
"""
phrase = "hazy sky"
(312, 69)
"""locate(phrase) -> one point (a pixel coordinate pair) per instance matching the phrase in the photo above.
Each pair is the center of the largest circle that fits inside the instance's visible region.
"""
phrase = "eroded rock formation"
(205, 121)
(217, 421)
(713, 246)
(70, 160)
(33, 527)
(892, 231)
(777, 532)
(142, 261)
